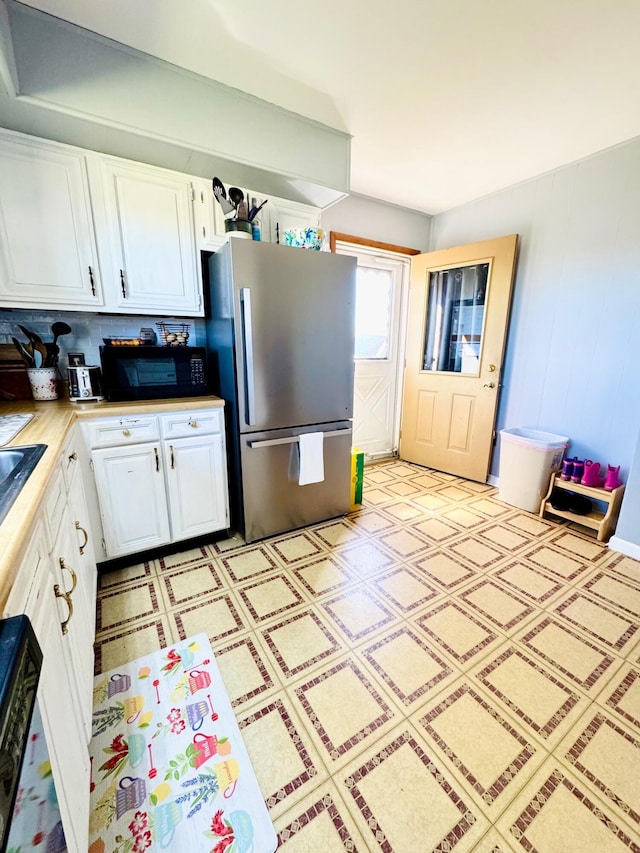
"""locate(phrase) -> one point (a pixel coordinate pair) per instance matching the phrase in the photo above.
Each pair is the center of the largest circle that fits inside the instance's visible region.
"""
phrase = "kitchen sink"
(16, 466)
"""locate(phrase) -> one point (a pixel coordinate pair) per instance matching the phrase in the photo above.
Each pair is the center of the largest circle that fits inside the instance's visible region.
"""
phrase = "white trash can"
(527, 458)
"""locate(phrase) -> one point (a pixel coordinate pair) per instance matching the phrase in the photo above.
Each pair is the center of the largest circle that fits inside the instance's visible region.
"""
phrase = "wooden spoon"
(40, 355)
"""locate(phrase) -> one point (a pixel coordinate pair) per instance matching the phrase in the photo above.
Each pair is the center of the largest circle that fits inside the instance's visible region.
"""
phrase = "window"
(374, 304)
(455, 319)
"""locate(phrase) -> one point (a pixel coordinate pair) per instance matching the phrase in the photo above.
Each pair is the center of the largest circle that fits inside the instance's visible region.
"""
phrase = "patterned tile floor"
(437, 671)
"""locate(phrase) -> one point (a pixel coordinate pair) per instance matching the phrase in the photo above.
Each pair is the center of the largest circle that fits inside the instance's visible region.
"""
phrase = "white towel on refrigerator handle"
(311, 447)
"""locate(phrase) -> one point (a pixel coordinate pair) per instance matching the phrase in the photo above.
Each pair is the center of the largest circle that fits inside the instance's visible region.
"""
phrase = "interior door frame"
(390, 251)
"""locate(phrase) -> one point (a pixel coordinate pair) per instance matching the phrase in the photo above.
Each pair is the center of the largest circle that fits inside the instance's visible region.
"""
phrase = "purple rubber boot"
(567, 469)
(612, 481)
(591, 476)
(578, 470)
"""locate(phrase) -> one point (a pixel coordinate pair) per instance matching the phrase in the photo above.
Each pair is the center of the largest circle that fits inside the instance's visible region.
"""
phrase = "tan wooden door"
(459, 303)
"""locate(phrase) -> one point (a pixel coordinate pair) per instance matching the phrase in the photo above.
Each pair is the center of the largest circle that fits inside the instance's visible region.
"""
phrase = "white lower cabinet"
(130, 483)
(83, 531)
(196, 485)
(155, 492)
(75, 618)
(66, 690)
(56, 588)
(45, 592)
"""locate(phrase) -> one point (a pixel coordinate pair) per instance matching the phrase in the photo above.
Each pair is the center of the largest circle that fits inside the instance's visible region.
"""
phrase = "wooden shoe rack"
(604, 523)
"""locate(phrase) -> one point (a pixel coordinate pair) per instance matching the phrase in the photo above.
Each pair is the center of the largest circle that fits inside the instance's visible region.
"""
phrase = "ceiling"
(446, 101)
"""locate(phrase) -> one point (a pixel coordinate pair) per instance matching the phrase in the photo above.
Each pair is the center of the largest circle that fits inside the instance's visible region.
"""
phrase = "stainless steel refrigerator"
(280, 335)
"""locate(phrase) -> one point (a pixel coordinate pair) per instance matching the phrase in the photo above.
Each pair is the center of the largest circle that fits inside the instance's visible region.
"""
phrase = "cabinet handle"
(73, 456)
(126, 432)
(204, 231)
(93, 287)
(74, 577)
(86, 537)
(173, 465)
(155, 450)
(67, 598)
(489, 385)
(122, 285)
(194, 424)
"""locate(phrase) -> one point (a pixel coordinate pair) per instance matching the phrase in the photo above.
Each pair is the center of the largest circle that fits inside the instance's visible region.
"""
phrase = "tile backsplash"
(88, 329)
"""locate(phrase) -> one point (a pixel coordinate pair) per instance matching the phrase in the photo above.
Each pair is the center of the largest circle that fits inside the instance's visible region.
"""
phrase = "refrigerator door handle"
(247, 342)
(292, 439)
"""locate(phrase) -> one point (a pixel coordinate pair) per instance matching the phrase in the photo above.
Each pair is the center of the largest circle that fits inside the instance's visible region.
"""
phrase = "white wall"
(374, 220)
(627, 538)
(572, 352)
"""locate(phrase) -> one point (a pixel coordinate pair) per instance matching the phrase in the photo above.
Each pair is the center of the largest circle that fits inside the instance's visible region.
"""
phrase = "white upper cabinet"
(146, 240)
(209, 218)
(47, 249)
(273, 218)
(83, 231)
(289, 214)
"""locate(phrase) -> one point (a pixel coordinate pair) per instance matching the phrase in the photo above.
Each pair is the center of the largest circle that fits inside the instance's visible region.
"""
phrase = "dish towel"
(311, 446)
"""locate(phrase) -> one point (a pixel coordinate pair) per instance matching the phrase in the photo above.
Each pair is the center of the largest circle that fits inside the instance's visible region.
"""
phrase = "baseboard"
(629, 549)
(493, 480)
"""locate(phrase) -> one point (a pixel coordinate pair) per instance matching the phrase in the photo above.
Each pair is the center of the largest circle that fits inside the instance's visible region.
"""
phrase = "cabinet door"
(74, 613)
(131, 492)
(290, 214)
(57, 693)
(196, 474)
(146, 236)
(84, 549)
(48, 254)
(209, 218)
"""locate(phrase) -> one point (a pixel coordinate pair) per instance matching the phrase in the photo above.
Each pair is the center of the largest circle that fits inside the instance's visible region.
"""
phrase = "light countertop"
(50, 425)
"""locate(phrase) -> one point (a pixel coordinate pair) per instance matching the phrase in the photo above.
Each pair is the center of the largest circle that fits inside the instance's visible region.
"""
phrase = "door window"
(455, 319)
(374, 312)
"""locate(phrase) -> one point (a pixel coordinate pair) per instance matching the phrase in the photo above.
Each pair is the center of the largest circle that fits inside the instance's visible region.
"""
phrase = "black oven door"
(29, 813)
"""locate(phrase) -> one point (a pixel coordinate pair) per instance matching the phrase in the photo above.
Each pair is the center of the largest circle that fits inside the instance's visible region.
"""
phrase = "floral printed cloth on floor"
(169, 769)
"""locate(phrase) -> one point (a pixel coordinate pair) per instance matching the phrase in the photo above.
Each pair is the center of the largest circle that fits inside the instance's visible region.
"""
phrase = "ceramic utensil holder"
(238, 228)
(43, 383)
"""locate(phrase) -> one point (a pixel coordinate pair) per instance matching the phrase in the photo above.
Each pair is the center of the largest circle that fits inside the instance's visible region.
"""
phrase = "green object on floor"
(357, 476)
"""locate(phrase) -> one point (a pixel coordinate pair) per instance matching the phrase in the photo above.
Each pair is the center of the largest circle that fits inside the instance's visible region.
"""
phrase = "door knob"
(489, 385)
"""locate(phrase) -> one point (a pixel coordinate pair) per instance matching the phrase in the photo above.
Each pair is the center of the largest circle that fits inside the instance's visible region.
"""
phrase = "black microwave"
(153, 373)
